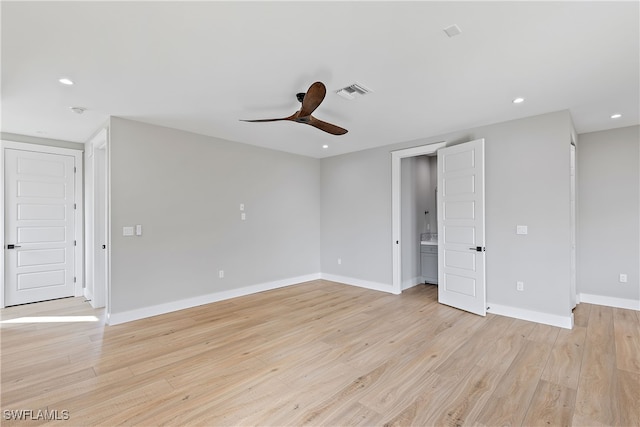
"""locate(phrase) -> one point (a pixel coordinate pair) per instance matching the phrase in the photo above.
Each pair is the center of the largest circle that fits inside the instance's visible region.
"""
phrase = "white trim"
(628, 304)
(2, 242)
(396, 185)
(375, 286)
(97, 297)
(108, 201)
(155, 310)
(78, 200)
(531, 316)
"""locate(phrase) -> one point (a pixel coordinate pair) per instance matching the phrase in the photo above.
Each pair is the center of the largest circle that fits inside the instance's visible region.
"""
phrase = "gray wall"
(356, 215)
(527, 183)
(185, 190)
(608, 234)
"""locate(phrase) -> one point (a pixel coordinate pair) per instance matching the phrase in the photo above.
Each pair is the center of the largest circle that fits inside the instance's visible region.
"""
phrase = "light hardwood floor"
(322, 353)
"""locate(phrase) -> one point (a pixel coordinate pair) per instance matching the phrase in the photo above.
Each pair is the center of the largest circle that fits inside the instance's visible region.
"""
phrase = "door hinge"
(75, 243)
(74, 169)
(74, 280)
(75, 206)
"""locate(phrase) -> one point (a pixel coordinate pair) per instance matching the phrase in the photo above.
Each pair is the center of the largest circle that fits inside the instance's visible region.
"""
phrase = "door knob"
(13, 246)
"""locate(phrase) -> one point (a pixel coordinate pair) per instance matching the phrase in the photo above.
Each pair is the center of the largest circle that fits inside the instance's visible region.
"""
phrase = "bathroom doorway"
(419, 226)
(414, 212)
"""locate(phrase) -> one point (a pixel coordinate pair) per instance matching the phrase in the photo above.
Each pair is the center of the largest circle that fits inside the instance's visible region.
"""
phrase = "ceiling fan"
(310, 101)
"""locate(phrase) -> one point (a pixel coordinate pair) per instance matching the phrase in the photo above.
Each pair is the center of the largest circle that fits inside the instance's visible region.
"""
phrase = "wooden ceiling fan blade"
(312, 98)
(327, 127)
(265, 120)
(291, 117)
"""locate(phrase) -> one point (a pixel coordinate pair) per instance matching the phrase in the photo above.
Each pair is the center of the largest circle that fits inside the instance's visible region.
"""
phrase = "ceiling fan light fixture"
(518, 100)
(310, 101)
(616, 116)
(325, 146)
(66, 81)
(78, 110)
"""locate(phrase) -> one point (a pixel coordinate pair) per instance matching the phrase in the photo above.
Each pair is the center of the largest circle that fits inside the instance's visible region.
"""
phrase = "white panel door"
(39, 226)
(461, 250)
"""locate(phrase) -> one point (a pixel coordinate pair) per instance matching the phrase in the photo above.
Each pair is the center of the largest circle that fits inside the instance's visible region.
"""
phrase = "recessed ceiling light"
(78, 110)
(518, 100)
(66, 81)
(325, 146)
(616, 116)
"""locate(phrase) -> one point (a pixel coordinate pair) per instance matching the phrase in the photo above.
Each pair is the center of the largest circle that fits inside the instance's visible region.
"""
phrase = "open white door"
(461, 237)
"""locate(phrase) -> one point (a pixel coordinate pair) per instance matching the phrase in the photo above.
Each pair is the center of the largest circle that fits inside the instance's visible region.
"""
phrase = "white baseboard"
(376, 286)
(629, 304)
(532, 316)
(518, 313)
(155, 310)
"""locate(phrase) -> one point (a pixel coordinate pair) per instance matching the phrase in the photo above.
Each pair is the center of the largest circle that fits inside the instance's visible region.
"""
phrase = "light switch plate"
(522, 229)
(127, 231)
(138, 230)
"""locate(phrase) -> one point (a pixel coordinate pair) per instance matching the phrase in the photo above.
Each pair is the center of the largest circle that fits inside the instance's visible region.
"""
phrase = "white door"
(39, 226)
(461, 238)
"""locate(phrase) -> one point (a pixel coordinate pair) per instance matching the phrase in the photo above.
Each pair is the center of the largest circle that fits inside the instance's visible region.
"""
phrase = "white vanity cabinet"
(429, 263)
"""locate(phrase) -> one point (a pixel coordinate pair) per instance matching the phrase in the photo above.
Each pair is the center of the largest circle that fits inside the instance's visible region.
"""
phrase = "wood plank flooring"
(319, 354)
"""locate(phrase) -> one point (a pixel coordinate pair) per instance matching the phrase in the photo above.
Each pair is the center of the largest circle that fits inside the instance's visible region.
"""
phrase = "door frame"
(396, 214)
(78, 212)
(573, 293)
(98, 296)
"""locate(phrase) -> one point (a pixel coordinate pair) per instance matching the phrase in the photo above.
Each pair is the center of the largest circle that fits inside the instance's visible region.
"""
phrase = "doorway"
(461, 228)
(396, 205)
(419, 227)
(97, 222)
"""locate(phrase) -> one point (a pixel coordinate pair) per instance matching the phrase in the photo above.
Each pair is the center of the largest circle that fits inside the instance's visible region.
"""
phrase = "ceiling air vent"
(452, 30)
(351, 91)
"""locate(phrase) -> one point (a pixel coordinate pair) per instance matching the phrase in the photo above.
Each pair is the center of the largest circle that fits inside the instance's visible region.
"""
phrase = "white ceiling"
(202, 66)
